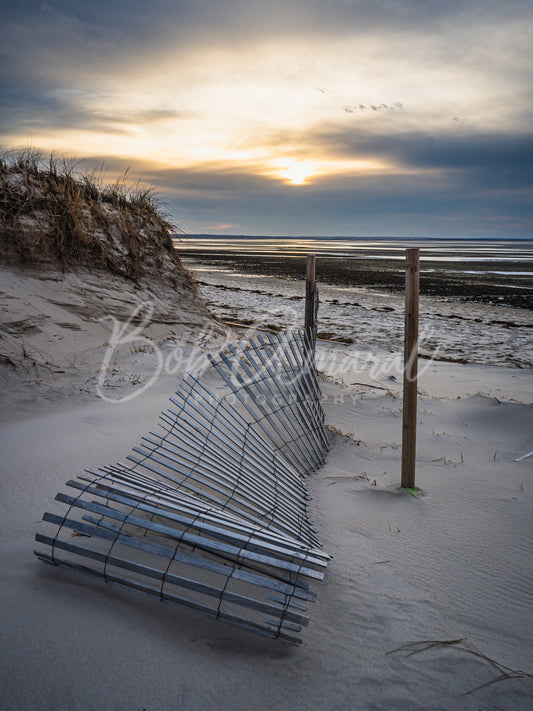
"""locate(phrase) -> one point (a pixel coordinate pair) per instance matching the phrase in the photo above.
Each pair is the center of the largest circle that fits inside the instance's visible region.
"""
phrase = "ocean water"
(449, 251)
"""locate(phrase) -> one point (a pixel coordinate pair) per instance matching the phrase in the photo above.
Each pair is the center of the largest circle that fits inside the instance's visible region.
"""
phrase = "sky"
(303, 117)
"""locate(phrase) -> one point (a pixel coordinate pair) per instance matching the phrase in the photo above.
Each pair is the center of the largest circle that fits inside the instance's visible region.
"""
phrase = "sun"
(293, 172)
(297, 173)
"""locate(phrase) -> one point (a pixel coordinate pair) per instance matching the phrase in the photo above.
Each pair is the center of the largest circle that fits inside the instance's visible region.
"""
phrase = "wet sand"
(450, 280)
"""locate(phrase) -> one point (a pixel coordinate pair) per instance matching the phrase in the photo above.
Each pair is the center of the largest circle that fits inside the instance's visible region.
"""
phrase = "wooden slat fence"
(210, 510)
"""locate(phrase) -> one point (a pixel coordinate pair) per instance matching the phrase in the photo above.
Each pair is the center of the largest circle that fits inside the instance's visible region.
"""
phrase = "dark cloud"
(140, 17)
(435, 203)
(132, 26)
(483, 157)
(439, 204)
(27, 108)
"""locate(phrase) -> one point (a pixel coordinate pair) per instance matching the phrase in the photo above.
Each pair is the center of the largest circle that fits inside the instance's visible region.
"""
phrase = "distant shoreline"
(381, 238)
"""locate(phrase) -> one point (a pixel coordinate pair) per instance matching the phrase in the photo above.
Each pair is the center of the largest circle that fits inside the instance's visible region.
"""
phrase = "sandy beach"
(426, 600)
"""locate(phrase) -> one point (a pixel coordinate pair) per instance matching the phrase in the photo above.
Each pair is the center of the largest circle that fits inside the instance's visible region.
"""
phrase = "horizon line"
(197, 235)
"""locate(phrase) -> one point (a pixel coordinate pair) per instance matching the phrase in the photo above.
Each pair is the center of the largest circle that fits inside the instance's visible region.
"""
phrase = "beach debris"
(465, 645)
(524, 456)
(211, 510)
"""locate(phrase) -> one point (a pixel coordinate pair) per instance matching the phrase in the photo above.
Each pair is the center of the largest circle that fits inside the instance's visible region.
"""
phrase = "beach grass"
(52, 212)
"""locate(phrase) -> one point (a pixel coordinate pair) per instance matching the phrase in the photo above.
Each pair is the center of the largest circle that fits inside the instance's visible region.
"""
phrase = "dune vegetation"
(52, 214)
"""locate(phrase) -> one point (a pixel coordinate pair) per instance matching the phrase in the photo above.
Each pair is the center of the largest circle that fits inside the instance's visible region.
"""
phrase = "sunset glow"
(296, 173)
(351, 102)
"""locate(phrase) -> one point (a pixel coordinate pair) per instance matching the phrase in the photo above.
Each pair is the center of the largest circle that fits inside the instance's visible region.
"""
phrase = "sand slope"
(56, 329)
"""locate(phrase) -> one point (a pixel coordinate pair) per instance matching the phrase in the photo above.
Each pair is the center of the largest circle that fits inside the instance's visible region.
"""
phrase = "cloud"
(487, 158)
(105, 36)
(396, 112)
(352, 109)
(432, 203)
(218, 227)
(27, 109)
(136, 18)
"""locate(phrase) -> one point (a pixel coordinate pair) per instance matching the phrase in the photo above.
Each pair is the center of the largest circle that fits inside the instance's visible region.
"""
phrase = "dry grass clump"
(50, 214)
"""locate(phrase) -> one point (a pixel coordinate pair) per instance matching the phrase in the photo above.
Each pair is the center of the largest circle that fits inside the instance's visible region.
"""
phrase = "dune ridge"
(76, 258)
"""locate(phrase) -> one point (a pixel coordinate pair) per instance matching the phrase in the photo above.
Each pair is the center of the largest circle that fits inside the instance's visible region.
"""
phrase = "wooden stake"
(410, 372)
(310, 292)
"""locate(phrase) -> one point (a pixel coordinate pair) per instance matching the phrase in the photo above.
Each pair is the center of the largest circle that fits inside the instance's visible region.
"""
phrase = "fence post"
(410, 370)
(310, 293)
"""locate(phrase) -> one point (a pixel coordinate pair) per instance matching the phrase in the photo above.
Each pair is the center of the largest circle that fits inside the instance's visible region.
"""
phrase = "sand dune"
(56, 329)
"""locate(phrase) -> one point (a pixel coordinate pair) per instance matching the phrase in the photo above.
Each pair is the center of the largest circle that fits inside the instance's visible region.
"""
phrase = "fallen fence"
(211, 510)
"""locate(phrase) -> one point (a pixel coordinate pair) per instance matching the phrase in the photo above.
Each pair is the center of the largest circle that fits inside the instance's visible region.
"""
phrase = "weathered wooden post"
(310, 293)
(410, 370)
